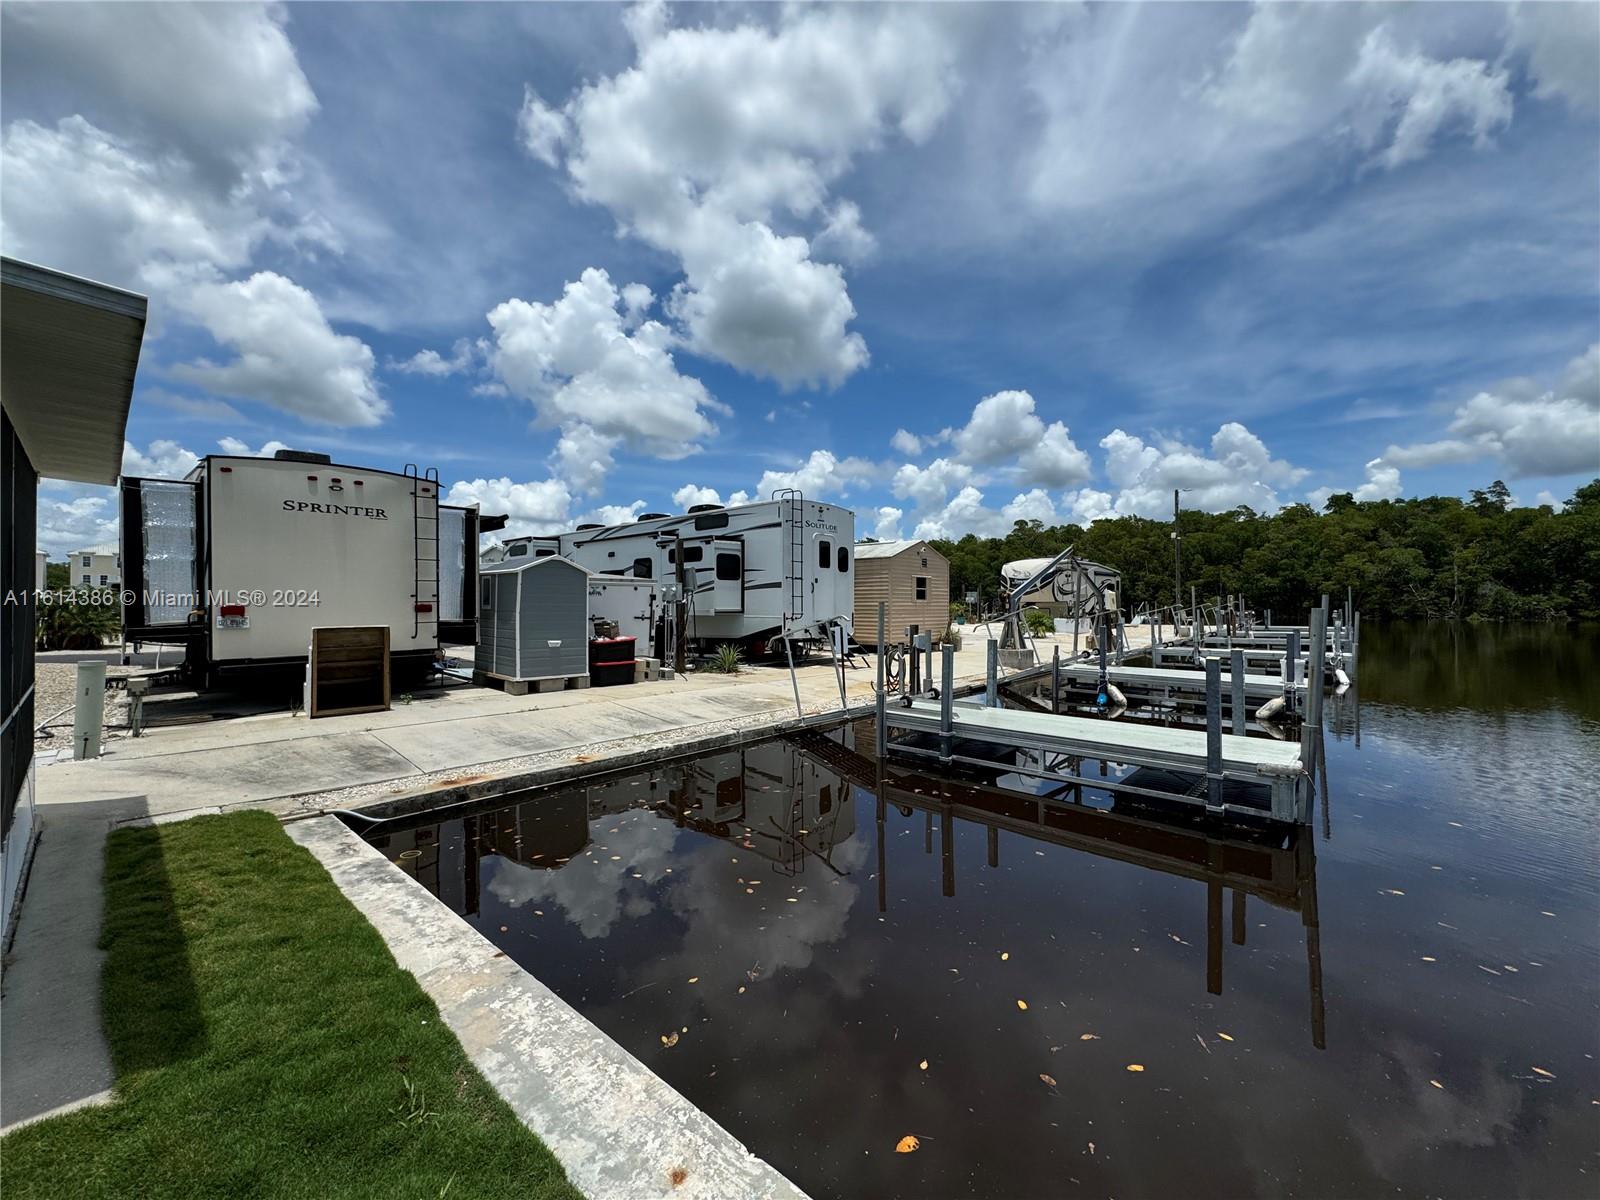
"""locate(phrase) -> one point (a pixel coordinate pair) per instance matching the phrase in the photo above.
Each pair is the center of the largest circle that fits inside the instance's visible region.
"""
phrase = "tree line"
(1439, 557)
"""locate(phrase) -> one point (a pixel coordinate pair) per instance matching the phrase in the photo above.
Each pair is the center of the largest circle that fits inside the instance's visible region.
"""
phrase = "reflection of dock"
(1279, 868)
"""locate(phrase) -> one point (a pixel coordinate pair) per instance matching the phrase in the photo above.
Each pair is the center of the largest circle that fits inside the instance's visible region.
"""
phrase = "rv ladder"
(425, 543)
(795, 530)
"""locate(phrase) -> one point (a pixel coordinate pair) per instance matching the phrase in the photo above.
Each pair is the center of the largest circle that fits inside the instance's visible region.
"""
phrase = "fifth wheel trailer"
(243, 557)
(754, 571)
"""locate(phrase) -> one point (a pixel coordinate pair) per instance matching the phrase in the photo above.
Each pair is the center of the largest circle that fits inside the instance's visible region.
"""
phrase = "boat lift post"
(946, 703)
(1291, 665)
(991, 689)
(1236, 680)
(883, 722)
(1214, 734)
(1055, 681)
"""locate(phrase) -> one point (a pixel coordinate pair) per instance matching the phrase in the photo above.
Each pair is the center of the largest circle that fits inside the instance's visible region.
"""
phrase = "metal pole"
(1291, 664)
(788, 653)
(1214, 734)
(1055, 682)
(1319, 632)
(883, 718)
(946, 700)
(991, 689)
(1236, 679)
(1177, 556)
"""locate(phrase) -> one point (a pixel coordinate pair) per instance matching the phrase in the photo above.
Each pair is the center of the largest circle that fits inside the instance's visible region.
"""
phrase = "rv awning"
(69, 348)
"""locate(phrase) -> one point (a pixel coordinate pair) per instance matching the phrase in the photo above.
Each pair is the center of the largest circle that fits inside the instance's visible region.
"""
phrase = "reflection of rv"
(241, 559)
(1073, 591)
(753, 570)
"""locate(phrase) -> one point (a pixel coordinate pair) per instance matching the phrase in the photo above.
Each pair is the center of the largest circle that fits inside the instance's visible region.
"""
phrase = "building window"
(824, 555)
(88, 561)
(85, 581)
(922, 587)
(717, 520)
(104, 579)
(729, 568)
(643, 568)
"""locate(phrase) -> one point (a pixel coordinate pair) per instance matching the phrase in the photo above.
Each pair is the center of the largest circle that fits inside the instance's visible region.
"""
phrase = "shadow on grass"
(148, 997)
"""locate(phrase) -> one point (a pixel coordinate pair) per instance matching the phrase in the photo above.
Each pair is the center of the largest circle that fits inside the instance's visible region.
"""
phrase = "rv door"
(727, 590)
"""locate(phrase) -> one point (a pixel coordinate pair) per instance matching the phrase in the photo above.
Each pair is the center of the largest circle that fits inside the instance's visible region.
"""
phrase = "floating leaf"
(1004, 954)
(694, 979)
(670, 1039)
(1135, 1067)
(1227, 1037)
(1437, 1084)
(1429, 958)
(741, 991)
(923, 1065)
(1048, 1081)
(907, 1144)
(1088, 1037)
(790, 900)
(1542, 1071)
(1023, 1005)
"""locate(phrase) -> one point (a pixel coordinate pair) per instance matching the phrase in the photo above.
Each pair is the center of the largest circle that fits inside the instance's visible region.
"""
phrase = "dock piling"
(883, 723)
(946, 701)
(991, 689)
(1213, 734)
(1291, 665)
(1236, 687)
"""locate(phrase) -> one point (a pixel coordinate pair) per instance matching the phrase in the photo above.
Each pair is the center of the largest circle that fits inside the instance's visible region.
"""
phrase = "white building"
(96, 567)
(39, 563)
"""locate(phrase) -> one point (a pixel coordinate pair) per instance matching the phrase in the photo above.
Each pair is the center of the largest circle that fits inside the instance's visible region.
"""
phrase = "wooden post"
(1214, 733)
(1236, 700)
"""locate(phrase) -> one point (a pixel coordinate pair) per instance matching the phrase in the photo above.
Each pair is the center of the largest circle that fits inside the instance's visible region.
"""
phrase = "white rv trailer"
(754, 571)
(1075, 592)
(242, 558)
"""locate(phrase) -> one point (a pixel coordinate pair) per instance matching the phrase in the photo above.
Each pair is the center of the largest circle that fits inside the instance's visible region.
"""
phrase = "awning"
(69, 348)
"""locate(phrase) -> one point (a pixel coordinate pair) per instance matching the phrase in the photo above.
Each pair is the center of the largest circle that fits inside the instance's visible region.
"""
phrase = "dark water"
(1401, 999)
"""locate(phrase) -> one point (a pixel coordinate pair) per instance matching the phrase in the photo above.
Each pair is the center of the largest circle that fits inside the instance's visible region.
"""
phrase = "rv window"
(728, 567)
(643, 568)
(717, 520)
(844, 559)
(824, 555)
(690, 554)
(517, 551)
(922, 587)
(546, 552)
(487, 589)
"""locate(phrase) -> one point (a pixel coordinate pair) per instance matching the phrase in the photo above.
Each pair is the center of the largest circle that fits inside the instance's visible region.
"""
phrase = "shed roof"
(890, 549)
(71, 350)
(528, 564)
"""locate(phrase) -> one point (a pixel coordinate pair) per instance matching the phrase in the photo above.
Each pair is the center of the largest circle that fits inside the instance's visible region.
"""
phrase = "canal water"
(1062, 999)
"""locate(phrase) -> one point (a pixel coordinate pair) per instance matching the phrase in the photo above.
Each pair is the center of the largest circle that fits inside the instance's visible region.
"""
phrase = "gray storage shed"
(533, 619)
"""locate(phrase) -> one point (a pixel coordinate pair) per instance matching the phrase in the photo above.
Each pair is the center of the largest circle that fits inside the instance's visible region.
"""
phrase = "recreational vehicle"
(783, 566)
(242, 558)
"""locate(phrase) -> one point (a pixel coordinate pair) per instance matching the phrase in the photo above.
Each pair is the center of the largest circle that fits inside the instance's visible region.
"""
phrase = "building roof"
(890, 549)
(507, 565)
(71, 350)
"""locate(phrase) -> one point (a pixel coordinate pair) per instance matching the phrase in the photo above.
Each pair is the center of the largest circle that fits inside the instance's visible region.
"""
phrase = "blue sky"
(950, 266)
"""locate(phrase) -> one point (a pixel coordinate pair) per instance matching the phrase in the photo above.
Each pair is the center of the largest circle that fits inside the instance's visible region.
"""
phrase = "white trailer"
(754, 572)
(244, 556)
(629, 602)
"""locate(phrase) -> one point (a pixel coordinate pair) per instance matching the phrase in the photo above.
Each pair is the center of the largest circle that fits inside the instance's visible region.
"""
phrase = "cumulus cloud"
(1560, 40)
(162, 459)
(288, 355)
(1004, 429)
(1528, 430)
(690, 494)
(886, 523)
(967, 513)
(578, 364)
(431, 362)
(823, 476)
(659, 146)
(536, 507)
(927, 487)
(906, 443)
(76, 523)
(235, 446)
(1239, 470)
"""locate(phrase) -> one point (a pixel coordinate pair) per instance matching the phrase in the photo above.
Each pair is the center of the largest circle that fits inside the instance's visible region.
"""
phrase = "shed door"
(727, 572)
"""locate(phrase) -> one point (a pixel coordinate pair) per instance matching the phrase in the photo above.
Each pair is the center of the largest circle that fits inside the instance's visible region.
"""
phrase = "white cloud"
(578, 364)
(1428, 95)
(78, 523)
(1239, 470)
(967, 513)
(886, 523)
(431, 362)
(163, 459)
(660, 147)
(690, 494)
(1560, 42)
(288, 355)
(1004, 429)
(612, 514)
(1547, 497)
(926, 487)
(536, 507)
(583, 457)
(821, 477)
(843, 237)
(240, 448)
(1087, 505)
(906, 443)
(1555, 431)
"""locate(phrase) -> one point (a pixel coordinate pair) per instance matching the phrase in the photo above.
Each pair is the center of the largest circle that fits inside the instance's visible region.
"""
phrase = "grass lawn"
(266, 1044)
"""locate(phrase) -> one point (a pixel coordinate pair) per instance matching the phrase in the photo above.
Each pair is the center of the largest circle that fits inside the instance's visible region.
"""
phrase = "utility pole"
(1177, 556)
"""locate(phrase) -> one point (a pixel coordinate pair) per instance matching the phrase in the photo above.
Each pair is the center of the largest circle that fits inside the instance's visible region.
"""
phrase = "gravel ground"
(54, 685)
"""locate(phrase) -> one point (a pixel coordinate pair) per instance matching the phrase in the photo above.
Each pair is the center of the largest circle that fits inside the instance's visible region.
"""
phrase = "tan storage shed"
(912, 578)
